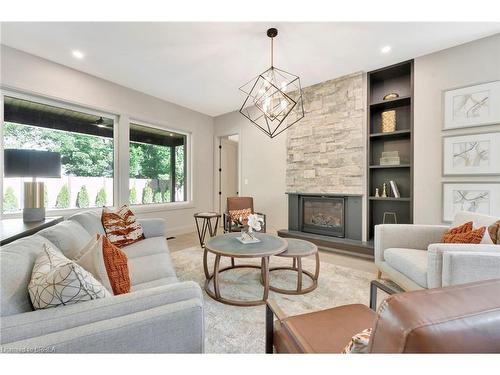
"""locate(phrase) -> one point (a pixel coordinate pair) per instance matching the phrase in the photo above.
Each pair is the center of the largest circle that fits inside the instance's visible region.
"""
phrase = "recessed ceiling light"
(386, 49)
(77, 54)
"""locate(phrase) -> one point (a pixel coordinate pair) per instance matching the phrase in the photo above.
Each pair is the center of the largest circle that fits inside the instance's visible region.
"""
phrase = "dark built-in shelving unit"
(399, 79)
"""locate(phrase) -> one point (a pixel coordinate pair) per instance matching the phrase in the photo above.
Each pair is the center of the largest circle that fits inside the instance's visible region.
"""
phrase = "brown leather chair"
(239, 203)
(458, 319)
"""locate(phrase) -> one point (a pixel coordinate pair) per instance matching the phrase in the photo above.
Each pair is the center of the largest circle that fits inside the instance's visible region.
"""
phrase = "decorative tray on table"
(246, 238)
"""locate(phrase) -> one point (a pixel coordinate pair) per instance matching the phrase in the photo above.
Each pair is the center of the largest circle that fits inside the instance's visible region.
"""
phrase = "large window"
(157, 165)
(85, 142)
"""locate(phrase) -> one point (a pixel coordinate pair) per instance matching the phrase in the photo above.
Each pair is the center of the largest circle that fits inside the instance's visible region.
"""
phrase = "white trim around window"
(188, 203)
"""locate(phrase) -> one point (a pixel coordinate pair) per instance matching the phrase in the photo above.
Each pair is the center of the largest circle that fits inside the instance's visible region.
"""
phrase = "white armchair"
(413, 257)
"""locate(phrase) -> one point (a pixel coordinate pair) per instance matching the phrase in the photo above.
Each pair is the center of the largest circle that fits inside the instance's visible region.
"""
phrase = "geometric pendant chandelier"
(273, 98)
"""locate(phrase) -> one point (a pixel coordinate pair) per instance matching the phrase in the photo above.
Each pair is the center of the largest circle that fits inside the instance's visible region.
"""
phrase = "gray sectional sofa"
(159, 315)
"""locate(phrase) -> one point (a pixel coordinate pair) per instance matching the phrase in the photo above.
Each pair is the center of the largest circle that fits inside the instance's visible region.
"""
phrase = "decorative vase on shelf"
(388, 121)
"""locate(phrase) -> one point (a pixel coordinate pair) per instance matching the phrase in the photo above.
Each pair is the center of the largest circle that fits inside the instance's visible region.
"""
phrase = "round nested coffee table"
(226, 245)
(297, 249)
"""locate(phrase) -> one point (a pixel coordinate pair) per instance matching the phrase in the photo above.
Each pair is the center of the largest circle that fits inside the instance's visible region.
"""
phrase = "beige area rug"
(232, 329)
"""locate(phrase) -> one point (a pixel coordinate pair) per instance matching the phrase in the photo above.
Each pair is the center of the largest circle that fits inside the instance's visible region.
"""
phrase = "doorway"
(228, 169)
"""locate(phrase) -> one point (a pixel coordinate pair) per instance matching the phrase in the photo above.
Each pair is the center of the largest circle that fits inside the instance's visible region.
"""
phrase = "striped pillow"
(121, 227)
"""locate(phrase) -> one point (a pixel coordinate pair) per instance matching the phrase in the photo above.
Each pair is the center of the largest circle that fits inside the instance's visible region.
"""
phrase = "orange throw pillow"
(116, 263)
(473, 237)
(121, 227)
(240, 216)
(464, 228)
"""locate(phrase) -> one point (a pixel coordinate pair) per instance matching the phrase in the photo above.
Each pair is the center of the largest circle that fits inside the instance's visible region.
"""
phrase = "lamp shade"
(31, 163)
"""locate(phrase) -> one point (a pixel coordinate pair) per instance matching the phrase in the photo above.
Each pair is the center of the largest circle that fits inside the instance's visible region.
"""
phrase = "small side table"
(388, 286)
(297, 249)
(206, 225)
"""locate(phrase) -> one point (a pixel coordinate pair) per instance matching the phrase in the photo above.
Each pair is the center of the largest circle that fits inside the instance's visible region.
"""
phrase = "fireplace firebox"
(323, 215)
(331, 221)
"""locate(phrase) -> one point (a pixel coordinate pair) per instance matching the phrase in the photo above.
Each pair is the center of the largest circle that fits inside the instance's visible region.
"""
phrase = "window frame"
(153, 207)
(74, 107)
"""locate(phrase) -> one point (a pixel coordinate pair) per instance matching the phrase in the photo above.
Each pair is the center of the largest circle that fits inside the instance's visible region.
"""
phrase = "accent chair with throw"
(237, 211)
(416, 257)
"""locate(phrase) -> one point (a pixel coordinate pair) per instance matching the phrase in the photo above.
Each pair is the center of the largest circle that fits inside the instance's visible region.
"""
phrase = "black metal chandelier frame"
(266, 120)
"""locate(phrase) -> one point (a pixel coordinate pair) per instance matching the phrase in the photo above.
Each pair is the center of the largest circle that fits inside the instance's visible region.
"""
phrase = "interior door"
(228, 171)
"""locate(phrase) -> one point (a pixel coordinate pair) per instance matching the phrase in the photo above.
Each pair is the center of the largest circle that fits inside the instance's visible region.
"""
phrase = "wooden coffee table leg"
(265, 271)
(205, 263)
(216, 276)
(316, 273)
(299, 277)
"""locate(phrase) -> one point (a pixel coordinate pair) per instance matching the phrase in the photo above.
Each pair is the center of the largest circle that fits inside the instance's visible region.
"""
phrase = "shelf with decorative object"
(390, 142)
(397, 133)
(392, 103)
(389, 166)
(389, 199)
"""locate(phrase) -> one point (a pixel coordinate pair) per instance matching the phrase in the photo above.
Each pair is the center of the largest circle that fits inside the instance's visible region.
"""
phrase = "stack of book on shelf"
(390, 158)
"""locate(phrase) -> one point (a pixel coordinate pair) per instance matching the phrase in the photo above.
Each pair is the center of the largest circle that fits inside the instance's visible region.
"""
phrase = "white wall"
(30, 74)
(262, 167)
(464, 65)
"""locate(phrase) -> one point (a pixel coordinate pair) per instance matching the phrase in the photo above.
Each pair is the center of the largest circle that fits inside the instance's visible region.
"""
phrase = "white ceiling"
(202, 65)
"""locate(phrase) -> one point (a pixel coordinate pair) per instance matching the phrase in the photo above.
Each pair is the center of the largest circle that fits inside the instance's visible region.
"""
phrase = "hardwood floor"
(184, 241)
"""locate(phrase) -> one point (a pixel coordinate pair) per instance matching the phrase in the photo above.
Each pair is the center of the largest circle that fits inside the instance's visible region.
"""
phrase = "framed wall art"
(480, 197)
(472, 106)
(472, 154)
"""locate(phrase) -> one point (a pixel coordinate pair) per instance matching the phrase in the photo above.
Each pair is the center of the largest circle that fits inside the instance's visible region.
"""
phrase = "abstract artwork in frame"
(482, 198)
(472, 106)
(472, 154)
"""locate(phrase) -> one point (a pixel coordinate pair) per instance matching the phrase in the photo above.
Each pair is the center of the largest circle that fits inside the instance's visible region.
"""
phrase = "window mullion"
(122, 164)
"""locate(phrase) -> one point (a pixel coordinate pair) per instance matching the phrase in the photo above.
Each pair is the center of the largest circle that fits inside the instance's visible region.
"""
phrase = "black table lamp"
(31, 163)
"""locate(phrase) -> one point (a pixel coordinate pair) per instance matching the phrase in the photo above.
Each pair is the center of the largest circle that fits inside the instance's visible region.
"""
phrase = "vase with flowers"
(254, 223)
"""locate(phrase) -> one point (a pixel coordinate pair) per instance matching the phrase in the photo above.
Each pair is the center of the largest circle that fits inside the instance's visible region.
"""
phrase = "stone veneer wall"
(325, 150)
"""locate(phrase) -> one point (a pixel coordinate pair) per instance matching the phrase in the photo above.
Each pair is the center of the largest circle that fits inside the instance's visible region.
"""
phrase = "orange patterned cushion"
(474, 236)
(240, 216)
(116, 263)
(358, 343)
(464, 228)
(494, 232)
(121, 227)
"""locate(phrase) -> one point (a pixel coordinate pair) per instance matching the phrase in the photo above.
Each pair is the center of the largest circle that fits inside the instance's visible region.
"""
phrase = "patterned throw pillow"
(494, 232)
(57, 281)
(358, 343)
(473, 237)
(240, 216)
(121, 227)
(464, 228)
(108, 264)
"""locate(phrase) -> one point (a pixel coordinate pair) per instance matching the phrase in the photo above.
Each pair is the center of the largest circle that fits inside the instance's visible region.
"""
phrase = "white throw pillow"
(56, 281)
(92, 259)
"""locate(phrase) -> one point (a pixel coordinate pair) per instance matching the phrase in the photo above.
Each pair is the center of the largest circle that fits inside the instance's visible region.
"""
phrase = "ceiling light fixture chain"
(274, 98)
